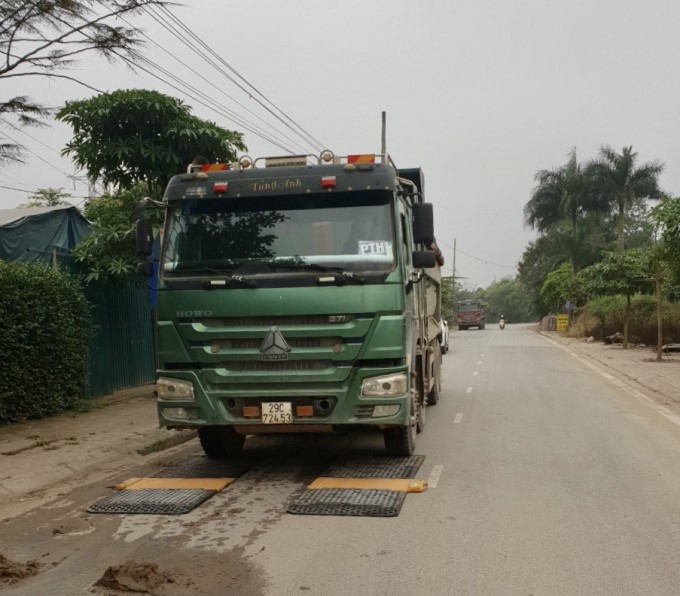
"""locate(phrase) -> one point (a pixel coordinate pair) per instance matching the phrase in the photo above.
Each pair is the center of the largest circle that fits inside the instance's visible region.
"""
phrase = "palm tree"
(562, 196)
(621, 184)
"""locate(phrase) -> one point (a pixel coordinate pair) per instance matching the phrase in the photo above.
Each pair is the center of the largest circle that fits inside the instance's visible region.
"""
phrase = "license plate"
(277, 412)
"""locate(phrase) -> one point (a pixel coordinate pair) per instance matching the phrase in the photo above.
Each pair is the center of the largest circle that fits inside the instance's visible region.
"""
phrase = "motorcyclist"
(501, 322)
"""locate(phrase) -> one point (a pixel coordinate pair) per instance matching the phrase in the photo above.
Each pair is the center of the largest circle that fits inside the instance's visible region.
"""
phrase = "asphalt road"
(545, 478)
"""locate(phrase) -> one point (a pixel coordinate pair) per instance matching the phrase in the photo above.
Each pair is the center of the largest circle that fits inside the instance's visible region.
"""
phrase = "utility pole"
(454, 300)
(383, 146)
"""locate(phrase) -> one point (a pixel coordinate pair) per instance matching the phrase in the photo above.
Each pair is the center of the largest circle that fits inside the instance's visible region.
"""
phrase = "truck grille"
(274, 365)
(270, 321)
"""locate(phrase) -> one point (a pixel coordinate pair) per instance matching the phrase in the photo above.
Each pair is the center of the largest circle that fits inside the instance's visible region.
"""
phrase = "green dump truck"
(296, 294)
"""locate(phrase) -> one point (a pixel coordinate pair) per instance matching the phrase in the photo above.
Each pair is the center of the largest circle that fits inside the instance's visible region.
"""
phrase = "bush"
(44, 328)
(604, 316)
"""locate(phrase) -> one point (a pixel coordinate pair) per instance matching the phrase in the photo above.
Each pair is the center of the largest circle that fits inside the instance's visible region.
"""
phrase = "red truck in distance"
(471, 314)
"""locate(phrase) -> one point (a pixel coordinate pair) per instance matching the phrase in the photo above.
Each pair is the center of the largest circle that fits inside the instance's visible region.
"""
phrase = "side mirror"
(144, 238)
(424, 259)
(145, 269)
(423, 223)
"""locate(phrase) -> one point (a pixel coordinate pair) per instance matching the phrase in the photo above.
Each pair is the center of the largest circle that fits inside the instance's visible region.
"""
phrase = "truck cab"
(293, 298)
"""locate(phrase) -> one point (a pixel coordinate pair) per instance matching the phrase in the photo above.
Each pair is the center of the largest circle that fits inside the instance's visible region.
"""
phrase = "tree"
(665, 258)
(136, 135)
(448, 298)
(618, 273)
(46, 37)
(562, 200)
(47, 197)
(622, 184)
(508, 297)
(109, 250)
(561, 286)
(666, 215)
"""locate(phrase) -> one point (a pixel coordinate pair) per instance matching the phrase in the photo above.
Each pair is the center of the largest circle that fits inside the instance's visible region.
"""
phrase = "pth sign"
(562, 322)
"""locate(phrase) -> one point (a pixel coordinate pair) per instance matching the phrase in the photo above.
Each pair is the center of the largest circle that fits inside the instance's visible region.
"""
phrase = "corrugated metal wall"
(121, 350)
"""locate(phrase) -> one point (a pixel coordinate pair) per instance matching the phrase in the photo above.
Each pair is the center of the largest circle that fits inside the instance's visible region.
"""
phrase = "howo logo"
(189, 314)
(274, 346)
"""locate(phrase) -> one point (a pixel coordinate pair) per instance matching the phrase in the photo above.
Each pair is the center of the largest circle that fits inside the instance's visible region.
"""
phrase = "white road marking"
(479, 362)
(433, 480)
(474, 374)
(468, 390)
(458, 418)
(483, 355)
(665, 412)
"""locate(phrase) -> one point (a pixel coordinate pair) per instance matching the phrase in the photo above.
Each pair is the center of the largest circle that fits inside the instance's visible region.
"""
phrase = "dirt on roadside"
(141, 578)
(12, 571)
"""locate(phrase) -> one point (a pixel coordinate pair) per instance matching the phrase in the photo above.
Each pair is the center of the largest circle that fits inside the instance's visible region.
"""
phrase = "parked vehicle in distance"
(445, 336)
(471, 314)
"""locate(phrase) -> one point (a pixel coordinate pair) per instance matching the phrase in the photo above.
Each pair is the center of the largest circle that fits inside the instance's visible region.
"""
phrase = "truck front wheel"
(219, 442)
(401, 440)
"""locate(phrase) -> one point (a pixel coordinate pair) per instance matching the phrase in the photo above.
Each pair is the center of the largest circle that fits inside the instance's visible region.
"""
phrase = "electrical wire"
(200, 101)
(485, 261)
(296, 128)
(222, 91)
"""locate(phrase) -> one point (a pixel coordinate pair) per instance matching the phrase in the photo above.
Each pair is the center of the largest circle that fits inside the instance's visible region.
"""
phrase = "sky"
(481, 94)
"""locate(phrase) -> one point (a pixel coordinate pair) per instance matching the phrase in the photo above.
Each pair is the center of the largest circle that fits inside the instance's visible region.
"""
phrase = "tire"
(401, 440)
(433, 396)
(219, 442)
(421, 417)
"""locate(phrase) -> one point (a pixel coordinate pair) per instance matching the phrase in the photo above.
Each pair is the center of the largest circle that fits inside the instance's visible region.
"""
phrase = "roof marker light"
(328, 181)
(361, 158)
(214, 167)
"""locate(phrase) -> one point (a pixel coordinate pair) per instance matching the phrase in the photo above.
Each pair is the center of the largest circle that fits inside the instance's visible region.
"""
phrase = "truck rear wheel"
(219, 442)
(421, 417)
(401, 440)
(433, 396)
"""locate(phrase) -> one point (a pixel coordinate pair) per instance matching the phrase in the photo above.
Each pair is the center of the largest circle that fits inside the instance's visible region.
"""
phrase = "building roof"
(10, 215)
(40, 233)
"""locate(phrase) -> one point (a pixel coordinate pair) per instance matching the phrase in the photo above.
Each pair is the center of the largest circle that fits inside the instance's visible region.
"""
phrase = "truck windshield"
(267, 235)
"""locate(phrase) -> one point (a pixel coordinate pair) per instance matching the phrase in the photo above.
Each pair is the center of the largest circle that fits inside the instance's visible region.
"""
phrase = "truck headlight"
(175, 389)
(385, 386)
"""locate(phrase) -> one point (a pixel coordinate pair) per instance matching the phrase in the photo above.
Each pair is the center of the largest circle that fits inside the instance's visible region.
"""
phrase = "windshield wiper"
(340, 274)
(229, 281)
(226, 279)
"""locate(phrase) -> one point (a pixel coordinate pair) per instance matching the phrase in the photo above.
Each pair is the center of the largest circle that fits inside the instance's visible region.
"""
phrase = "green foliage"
(47, 197)
(44, 38)
(617, 178)
(44, 327)
(618, 273)
(509, 298)
(128, 136)
(560, 286)
(447, 299)
(606, 315)
(109, 251)
(666, 216)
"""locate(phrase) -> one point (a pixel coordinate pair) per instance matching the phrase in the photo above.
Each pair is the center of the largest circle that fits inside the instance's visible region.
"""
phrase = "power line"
(300, 131)
(161, 69)
(35, 154)
(13, 188)
(164, 25)
(225, 112)
(485, 261)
